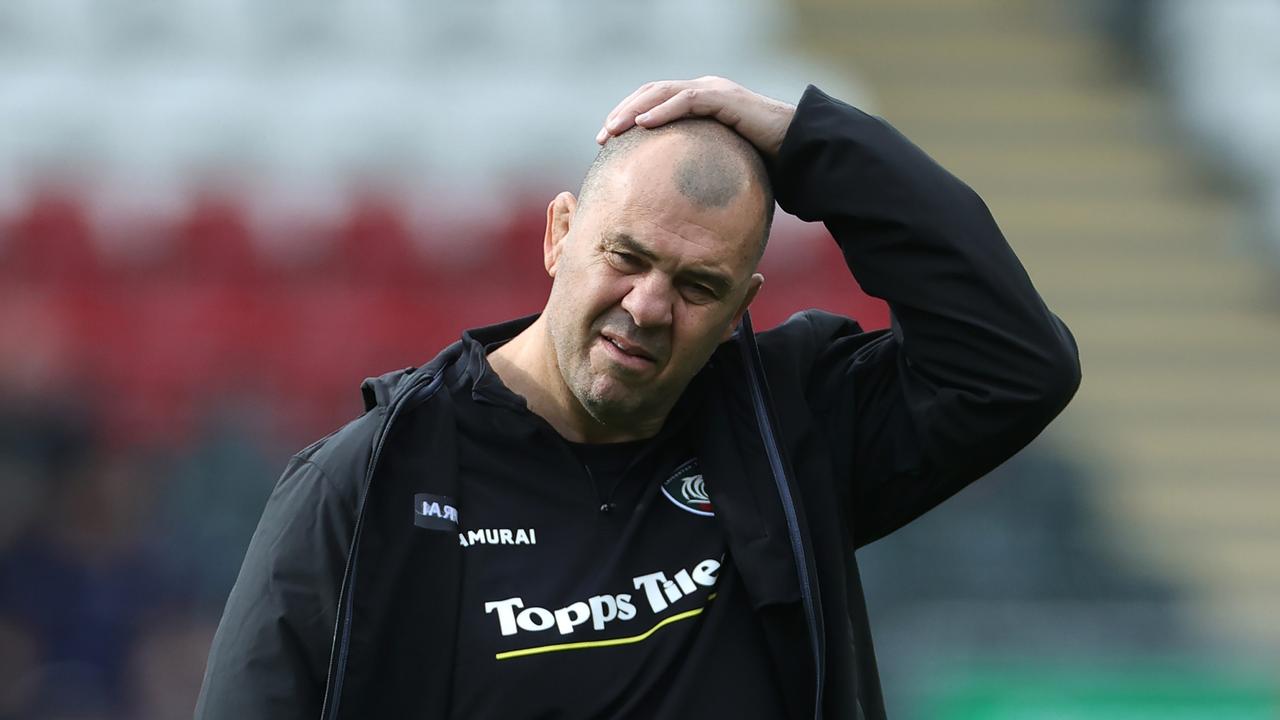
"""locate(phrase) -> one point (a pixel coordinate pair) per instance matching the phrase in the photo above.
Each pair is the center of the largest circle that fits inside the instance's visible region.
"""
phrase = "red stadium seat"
(50, 240)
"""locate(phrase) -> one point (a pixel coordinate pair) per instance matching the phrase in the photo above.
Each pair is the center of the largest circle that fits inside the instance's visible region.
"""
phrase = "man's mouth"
(627, 348)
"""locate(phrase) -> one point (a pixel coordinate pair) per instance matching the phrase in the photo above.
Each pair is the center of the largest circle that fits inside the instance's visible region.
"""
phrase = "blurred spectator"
(19, 659)
(167, 666)
(208, 507)
(73, 577)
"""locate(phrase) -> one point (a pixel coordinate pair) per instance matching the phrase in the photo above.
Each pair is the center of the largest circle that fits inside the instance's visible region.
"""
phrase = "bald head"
(711, 165)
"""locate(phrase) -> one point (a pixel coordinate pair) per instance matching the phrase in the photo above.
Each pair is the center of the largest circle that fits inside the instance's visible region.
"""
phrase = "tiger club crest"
(687, 489)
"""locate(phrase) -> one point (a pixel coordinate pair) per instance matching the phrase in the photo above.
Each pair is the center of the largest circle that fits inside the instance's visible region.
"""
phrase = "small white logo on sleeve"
(435, 512)
(687, 489)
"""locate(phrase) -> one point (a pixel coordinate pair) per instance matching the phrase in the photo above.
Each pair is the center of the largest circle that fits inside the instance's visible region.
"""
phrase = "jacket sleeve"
(271, 651)
(974, 365)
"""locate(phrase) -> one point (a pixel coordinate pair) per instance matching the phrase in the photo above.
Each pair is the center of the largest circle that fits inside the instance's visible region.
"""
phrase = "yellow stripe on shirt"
(604, 643)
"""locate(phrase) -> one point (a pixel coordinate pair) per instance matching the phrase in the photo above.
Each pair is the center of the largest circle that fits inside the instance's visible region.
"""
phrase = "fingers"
(763, 121)
(645, 89)
(624, 113)
(654, 104)
(688, 101)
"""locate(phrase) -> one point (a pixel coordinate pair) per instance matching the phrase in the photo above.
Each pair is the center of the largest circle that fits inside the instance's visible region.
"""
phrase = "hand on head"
(763, 121)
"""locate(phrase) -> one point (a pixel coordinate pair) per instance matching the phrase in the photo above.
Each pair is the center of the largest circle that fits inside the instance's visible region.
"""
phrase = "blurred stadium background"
(217, 217)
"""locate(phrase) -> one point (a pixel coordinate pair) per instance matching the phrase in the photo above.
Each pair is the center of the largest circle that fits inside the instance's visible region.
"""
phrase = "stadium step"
(1122, 230)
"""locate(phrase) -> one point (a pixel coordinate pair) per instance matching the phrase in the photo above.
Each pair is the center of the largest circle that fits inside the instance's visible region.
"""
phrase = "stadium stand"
(216, 218)
(1109, 208)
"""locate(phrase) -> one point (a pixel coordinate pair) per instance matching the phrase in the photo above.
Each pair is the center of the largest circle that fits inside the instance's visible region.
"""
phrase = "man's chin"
(613, 405)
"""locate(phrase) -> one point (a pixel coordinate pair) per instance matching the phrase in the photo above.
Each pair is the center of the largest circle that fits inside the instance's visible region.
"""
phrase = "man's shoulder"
(343, 455)
(810, 328)
(341, 448)
(814, 346)
(795, 344)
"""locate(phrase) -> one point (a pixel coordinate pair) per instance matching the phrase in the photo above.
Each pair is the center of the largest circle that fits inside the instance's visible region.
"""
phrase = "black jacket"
(839, 437)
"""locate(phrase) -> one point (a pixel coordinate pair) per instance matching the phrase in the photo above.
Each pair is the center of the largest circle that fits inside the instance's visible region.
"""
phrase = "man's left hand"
(763, 121)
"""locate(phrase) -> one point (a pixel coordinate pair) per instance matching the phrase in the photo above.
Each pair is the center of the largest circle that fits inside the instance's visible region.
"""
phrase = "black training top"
(835, 438)
(595, 578)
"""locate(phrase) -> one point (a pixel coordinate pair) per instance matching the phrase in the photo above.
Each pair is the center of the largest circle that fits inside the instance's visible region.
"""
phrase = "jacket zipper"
(342, 630)
(751, 357)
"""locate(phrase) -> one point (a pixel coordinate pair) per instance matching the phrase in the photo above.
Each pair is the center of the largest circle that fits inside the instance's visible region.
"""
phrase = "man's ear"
(753, 287)
(559, 220)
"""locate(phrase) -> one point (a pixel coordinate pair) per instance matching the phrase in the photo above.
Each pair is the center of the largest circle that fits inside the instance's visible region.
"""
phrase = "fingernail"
(600, 136)
(642, 118)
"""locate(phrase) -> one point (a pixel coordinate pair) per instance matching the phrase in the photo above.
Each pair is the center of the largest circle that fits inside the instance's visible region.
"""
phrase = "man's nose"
(649, 301)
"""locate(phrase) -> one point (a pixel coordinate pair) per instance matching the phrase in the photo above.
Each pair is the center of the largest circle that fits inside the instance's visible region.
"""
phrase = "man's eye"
(699, 293)
(624, 258)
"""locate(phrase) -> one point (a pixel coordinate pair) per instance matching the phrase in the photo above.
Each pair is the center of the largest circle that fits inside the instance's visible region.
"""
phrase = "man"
(625, 507)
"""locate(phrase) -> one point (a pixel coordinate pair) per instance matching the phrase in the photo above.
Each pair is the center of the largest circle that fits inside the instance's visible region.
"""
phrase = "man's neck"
(527, 366)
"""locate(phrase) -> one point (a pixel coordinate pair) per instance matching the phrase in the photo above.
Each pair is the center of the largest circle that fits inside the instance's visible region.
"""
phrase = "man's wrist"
(776, 117)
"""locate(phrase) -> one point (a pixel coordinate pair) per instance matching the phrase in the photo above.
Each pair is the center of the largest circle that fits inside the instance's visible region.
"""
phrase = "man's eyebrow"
(719, 283)
(628, 243)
